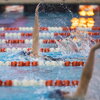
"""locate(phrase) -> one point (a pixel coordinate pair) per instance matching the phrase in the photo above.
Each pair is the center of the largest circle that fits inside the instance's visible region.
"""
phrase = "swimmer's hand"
(97, 46)
(37, 8)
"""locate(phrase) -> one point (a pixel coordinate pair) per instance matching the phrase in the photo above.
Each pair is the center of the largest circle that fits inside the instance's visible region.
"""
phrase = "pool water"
(41, 72)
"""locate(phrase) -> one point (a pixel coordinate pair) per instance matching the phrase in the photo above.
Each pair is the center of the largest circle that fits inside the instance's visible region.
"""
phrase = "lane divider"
(31, 28)
(19, 35)
(26, 83)
(25, 49)
(29, 41)
(94, 33)
(97, 40)
(42, 63)
(18, 41)
(61, 83)
(46, 28)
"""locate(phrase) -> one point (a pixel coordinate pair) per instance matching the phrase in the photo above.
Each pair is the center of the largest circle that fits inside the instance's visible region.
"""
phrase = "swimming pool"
(43, 72)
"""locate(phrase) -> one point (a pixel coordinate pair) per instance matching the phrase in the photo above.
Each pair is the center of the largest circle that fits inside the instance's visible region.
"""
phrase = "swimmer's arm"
(85, 78)
(35, 45)
(87, 73)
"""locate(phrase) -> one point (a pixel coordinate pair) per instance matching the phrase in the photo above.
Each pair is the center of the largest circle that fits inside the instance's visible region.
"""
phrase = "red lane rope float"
(14, 63)
(61, 83)
(10, 83)
(45, 49)
(44, 28)
(49, 41)
(2, 34)
(26, 34)
(94, 33)
(1, 83)
(67, 63)
(62, 34)
(14, 41)
(21, 63)
(11, 28)
(35, 63)
(77, 63)
(66, 83)
(58, 83)
(97, 40)
(2, 50)
(74, 63)
(49, 83)
(75, 82)
(68, 28)
(95, 28)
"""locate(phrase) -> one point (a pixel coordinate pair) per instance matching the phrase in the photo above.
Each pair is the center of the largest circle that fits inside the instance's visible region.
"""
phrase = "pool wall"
(50, 1)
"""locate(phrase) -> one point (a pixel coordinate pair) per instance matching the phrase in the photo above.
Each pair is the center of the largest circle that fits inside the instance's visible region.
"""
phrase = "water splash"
(76, 43)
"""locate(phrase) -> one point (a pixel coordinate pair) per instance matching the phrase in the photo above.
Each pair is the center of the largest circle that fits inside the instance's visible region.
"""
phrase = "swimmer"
(84, 81)
(71, 46)
(35, 45)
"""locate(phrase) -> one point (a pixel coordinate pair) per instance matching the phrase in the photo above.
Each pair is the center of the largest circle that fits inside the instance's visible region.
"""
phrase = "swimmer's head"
(58, 94)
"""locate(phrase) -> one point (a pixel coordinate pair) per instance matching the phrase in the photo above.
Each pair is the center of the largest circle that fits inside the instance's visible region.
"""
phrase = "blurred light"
(90, 25)
(82, 13)
(86, 10)
(90, 13)
(75, 20)
(90, 20)
(74, 24)
(82, 22)
(85, 7)
(14, 8)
